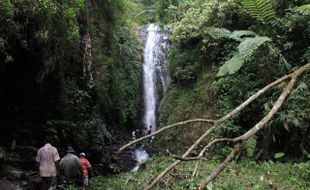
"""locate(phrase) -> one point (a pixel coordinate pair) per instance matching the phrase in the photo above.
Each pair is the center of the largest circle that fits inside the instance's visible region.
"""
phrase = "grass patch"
(242, 175)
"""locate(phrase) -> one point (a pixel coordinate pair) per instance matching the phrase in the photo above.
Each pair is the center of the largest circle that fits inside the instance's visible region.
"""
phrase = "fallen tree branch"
(260, 125)
(277, 105)
(163, 129)
(163, 174)
(189, 150)
(222, 166)
(207, 147)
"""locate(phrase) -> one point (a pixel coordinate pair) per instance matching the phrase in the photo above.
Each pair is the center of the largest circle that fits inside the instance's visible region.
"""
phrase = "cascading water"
(154, 65)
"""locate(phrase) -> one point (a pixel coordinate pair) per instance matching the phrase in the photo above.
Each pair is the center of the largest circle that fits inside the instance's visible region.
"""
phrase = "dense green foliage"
(72, 70)
(242, 175)
(51, 84)
(247, 44)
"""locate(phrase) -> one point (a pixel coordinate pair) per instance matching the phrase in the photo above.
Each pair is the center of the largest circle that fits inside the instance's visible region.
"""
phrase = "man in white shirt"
(48, 160)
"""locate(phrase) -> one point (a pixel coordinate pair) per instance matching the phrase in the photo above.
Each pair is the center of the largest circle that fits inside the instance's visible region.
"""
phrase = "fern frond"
(217, 33)
(244, 51)
(247, 47)
(231, 66)
(238, 34)
(261, 10)
(304, 9)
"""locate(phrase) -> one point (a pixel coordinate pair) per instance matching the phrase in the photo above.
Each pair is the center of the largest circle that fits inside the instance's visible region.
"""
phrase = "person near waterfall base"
(149, 131)
(86, 166)
(48, 162)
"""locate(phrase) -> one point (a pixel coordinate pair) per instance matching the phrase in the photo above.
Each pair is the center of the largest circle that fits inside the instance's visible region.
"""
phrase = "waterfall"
(154, 69)
(154, 66)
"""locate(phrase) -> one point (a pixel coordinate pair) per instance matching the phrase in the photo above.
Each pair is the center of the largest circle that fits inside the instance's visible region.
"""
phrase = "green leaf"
(279, 155)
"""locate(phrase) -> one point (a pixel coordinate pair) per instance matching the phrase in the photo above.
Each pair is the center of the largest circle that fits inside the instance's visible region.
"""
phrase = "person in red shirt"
(85, 166)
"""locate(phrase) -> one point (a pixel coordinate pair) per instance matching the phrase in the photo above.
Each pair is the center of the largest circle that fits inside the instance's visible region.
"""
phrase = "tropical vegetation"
(73, 70)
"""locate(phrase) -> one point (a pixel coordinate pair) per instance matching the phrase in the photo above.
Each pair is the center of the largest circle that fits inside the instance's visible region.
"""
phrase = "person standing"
(70, 167)
(149, 131)
(48, 161)
(133, 135)
(86, 166)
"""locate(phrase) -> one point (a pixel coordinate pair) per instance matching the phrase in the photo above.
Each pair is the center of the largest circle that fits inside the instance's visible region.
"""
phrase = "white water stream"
(154, 65)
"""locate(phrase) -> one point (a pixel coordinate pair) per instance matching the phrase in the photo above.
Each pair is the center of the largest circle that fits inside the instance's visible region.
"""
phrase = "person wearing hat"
(70, 167)
(85, 166)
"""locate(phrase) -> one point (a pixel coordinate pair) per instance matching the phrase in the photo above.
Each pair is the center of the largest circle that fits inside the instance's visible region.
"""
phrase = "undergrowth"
(245, 174)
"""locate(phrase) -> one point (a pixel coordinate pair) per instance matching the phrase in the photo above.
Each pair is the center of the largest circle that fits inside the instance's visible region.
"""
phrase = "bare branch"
(189, 150)
(222, 166)
(163, 129)
(175, 163)
(213, 143)
(206, 148)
